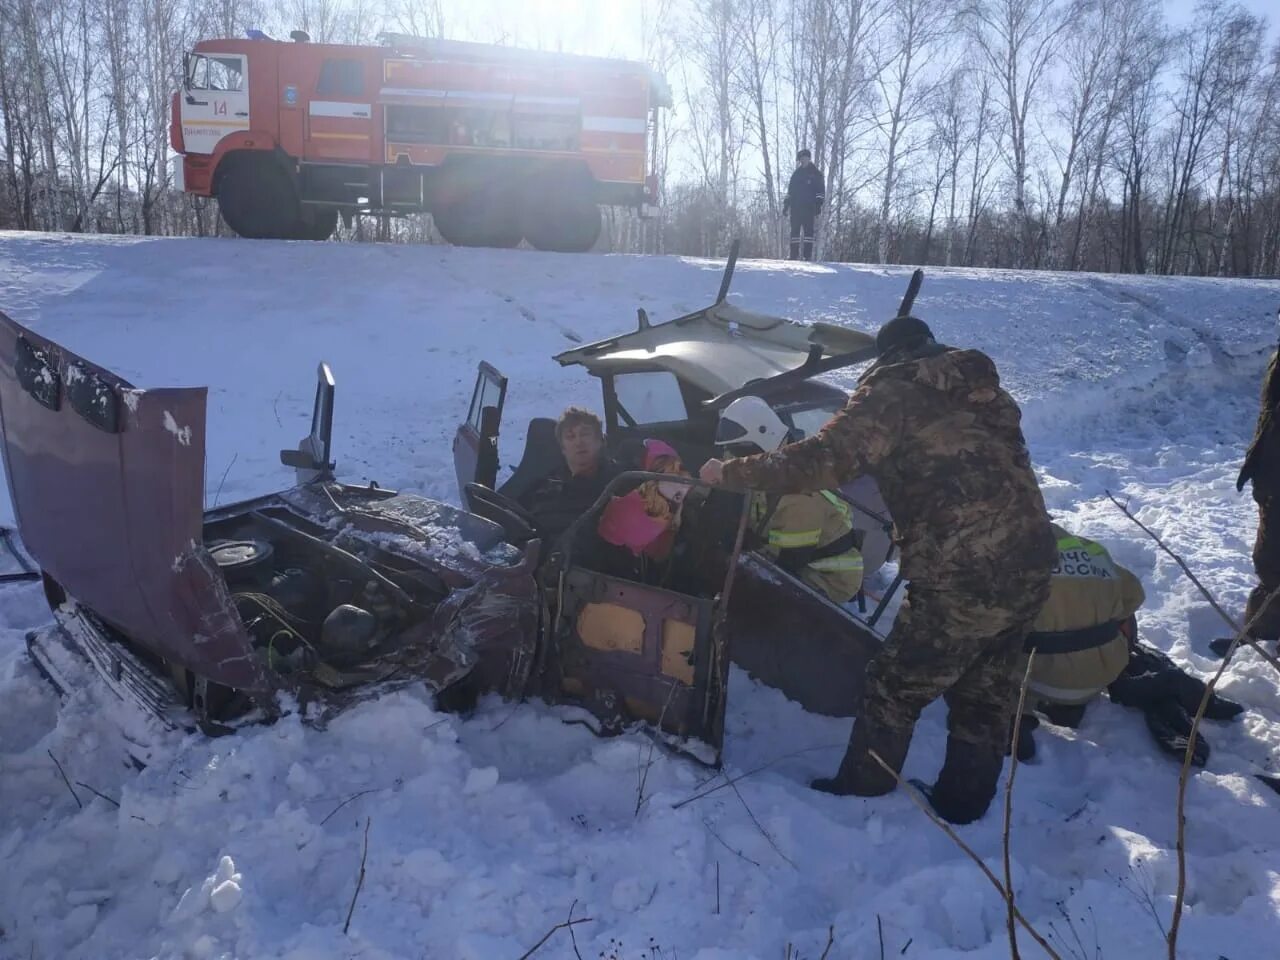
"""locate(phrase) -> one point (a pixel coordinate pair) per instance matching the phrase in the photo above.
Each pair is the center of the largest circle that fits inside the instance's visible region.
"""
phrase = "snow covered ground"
(483, 833)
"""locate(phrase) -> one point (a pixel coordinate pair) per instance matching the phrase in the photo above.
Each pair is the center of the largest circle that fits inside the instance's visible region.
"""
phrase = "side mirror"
(311, 459)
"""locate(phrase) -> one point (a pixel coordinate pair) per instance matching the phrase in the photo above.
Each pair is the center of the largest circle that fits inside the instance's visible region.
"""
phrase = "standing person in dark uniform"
(1262, 470)
(805, 194)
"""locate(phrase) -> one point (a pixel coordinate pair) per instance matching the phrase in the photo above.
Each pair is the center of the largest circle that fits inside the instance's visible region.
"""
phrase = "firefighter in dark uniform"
(805, 194)
(1262, 470)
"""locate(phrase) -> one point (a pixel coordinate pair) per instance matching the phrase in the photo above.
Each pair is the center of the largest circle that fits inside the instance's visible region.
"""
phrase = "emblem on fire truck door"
(291, 94)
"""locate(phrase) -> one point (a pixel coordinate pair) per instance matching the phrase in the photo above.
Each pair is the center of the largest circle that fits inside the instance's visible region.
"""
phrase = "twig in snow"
(354, 796)
(1199, 586)
(275, 408)
(1143, 893)
(717, 888)
(831, 939)
(96, 793)
(946, 828)
(642, 772)
(567, 925)
(730, 781)
(360, 881)
(736, 853)
(760, 826)
(572, 936)
(64, 778)
(906, 946)
(1185, 776)
(224, 478)
(880, 935)
(1008, 808)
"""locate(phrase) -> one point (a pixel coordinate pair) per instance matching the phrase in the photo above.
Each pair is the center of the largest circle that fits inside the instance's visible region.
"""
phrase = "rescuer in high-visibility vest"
(808, 534)
(1086, 641)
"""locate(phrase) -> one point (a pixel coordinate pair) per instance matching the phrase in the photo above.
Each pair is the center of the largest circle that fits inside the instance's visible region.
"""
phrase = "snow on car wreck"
(323, 590)
(326, 592)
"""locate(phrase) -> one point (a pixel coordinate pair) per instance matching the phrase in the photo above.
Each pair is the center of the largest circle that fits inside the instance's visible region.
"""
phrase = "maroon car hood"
(113, 509)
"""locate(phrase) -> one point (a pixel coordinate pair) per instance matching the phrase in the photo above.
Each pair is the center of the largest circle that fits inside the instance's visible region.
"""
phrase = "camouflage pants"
(964, 648)
(1266, 564)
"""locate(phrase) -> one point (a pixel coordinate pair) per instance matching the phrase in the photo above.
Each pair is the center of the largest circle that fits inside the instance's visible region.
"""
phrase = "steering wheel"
(517, 523)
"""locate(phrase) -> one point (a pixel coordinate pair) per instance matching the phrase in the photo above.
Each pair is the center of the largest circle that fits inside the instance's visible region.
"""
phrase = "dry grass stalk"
(1008, 808)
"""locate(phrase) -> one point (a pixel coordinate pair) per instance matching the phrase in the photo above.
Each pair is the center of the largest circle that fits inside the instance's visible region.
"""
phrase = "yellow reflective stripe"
(788, 539)
(843, 562)
(836, 502)
(1075, 543)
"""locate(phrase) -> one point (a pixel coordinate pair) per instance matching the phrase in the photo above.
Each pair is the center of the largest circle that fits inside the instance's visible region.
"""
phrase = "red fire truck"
(497, 143)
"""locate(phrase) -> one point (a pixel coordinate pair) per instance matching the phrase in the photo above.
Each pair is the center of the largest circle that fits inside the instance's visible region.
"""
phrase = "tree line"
(1043, 134)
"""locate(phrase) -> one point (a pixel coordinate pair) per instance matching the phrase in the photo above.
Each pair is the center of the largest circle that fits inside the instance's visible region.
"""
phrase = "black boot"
(967, 782)
(1170, 724)
(1026, 742)
(1272, 782)
(859, 774)
(1190, 691)
(1221, 645)
(1069, 715)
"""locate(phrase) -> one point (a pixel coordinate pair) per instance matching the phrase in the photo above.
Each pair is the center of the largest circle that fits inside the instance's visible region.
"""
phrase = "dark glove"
(1171, 727)
(786, 206)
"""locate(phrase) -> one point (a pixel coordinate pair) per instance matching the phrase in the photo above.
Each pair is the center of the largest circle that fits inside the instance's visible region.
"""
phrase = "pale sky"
(598, 27)
(613, 27)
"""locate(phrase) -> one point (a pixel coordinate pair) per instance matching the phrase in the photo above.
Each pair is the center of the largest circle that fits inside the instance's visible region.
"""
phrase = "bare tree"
(1017, 40)
(418, 18)
(1206, 59)
(758, 37)
(914, 28)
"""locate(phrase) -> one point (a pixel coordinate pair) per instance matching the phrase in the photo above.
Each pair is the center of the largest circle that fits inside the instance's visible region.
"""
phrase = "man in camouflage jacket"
(1261, 470)
(943, 441)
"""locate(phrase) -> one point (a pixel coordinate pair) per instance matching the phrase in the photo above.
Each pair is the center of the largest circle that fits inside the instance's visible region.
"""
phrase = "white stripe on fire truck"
(331, 108)
(614, 124)
(411, 92)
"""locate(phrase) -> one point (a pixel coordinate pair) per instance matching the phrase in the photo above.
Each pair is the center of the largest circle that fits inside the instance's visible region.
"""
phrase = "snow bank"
(484, 831)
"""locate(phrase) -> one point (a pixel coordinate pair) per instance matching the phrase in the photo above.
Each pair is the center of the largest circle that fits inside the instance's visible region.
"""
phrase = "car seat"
(540, 459)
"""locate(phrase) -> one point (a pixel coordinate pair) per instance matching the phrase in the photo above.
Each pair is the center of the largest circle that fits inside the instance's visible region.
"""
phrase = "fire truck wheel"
(563, 221)
(317, 225)
(481, 220)
(257, 199)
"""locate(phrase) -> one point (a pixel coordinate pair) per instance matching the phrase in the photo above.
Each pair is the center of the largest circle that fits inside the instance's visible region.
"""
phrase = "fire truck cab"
(497, 143)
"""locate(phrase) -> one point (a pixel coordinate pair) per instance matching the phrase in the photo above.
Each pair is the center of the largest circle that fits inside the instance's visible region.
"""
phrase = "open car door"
(633, 651)
(475, 445)
(312, 459)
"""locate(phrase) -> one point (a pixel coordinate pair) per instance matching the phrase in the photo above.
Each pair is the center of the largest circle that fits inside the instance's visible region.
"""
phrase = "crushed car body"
(670, 381)
(324, 591)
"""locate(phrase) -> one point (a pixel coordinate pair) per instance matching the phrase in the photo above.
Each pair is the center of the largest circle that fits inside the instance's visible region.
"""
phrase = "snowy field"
(483, 833)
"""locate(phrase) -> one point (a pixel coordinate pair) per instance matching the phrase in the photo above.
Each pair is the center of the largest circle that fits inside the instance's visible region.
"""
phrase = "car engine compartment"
(309, 604)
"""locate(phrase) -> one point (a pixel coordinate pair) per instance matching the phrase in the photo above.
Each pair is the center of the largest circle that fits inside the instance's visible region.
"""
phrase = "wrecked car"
(670, 381)
(326, 592)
